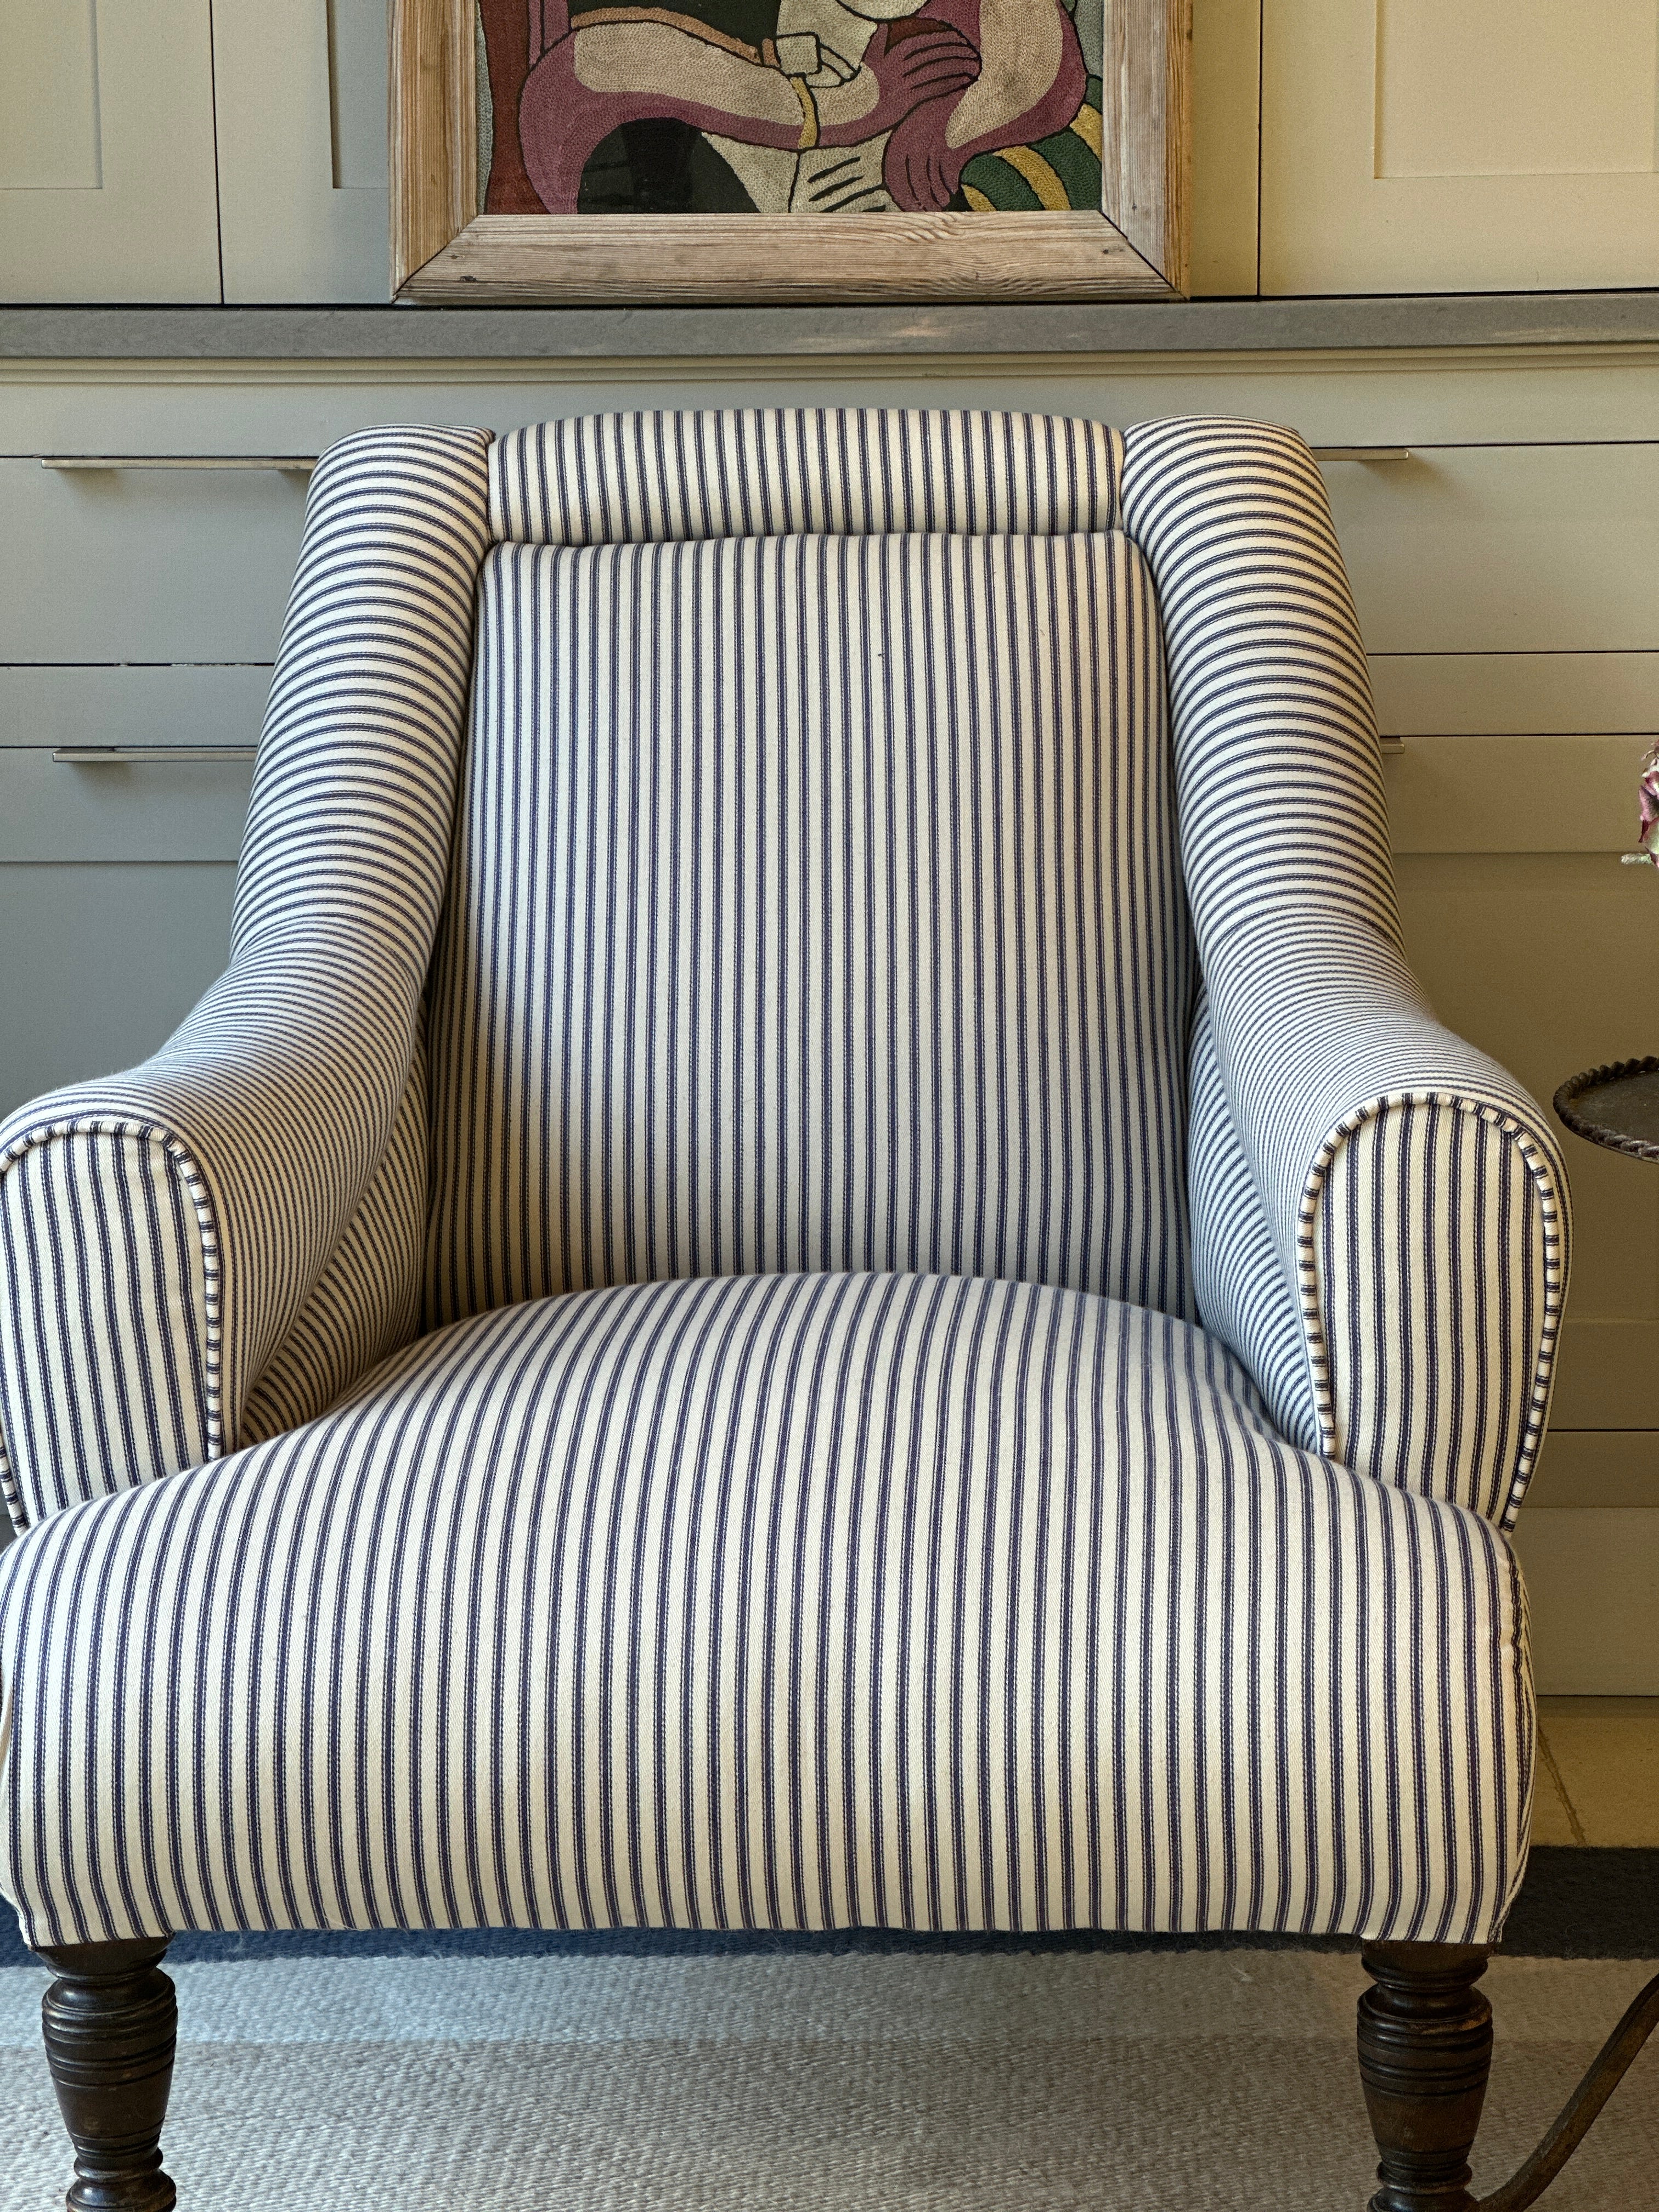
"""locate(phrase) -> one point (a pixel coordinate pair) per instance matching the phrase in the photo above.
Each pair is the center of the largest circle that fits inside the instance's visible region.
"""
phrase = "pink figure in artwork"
(823, 107)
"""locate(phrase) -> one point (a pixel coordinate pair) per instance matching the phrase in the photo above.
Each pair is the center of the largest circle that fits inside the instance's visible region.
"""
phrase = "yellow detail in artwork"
(809, 115)
(976, 200)
(1044, 180)
(1086, 124)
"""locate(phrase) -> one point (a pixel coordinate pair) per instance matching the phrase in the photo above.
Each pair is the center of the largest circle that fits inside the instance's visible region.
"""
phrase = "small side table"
(1616, 1106)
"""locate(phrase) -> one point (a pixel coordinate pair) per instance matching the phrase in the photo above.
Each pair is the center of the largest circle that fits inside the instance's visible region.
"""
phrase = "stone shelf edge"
(503, 333)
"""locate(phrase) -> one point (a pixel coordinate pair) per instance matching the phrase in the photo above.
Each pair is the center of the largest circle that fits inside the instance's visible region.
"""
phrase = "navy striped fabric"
(824, 472)
(818, 965)
(170, 1233)
(784, 1600)
(817, 905)
(1399, 1201)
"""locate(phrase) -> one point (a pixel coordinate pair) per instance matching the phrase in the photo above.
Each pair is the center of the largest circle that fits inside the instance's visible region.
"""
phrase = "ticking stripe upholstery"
(771, 472)
(111, 1274)
(854, 963)
(817, 905)
(1409, 1191)
(796, 1601)
(214, 1188)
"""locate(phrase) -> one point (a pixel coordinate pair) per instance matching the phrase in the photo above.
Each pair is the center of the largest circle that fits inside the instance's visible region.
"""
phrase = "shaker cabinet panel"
(1500, 793)
(303, 194)
(106, 151)
(102, 963)
(150, 805)
(1225, 70)
(1507, 694)
(1502, 548)
(1550, 961)
(44, 707)
(145, 564)
(1495, 146)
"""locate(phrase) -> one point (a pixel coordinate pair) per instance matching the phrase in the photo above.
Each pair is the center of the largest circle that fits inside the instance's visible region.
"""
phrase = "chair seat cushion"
(788, 1600)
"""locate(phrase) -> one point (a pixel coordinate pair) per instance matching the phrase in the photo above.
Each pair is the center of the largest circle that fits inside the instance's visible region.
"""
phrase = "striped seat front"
(792, 1601)
(816, 904)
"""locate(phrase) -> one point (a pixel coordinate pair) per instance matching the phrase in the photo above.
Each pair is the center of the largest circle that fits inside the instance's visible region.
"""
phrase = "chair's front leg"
(111, 2021)
(1425, 2054)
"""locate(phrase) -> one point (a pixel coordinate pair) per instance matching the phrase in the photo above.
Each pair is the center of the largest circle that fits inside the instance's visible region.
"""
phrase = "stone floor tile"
(1605, 1753)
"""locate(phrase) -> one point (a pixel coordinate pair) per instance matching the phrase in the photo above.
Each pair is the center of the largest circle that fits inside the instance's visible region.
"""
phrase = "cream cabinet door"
(1226, 67)
(106, 159)
(1492, 146)
(303, 198)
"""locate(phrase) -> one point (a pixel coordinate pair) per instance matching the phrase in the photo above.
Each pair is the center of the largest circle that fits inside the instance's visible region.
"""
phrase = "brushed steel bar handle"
(1392, 745)
(125, 756)
(288, 464)
(1362, 452)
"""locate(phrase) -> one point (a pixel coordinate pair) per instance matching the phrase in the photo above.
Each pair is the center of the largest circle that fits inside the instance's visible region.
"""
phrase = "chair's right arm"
(213, 1245)
(1379, 1217)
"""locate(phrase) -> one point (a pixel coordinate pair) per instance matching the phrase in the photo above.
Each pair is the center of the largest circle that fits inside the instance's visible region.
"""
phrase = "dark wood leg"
(1424, 2053)
(110, 2019)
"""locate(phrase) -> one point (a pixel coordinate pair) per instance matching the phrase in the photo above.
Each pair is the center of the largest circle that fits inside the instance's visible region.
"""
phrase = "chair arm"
(1414, 1202)
(163, 1230)
(1379, 1213)
(210, 1247)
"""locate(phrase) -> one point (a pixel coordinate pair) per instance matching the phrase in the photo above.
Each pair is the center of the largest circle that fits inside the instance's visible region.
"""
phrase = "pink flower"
(1648, 835)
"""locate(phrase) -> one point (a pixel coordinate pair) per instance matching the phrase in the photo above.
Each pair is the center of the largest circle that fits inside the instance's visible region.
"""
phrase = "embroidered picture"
(789, 106)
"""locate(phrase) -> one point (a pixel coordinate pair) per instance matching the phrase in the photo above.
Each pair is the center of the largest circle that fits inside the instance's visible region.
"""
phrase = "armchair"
(816, 1266)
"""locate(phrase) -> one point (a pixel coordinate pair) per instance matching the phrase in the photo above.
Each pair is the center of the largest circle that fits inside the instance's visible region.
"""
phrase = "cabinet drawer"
(1536, 693)
(1550, 961)
(155, 810)
(1502, 548)
(145, 564)
(1501, 794)
(101, 964)
(48, 707)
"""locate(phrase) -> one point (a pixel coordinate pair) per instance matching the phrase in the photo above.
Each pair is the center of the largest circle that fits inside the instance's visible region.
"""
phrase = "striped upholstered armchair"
(816, 1267)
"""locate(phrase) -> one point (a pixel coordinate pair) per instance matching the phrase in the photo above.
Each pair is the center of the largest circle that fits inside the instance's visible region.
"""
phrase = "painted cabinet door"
(303, 197)
(106, 157)
(102, 965)
(1492, 146)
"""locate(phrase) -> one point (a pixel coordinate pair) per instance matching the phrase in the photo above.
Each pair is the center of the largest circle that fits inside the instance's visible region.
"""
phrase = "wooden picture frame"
(444, 250)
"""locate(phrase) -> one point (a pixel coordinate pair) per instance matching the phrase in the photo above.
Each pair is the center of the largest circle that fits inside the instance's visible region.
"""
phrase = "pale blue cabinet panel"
(48, 707)
(99, 964)
(148, 805)
(109, 565)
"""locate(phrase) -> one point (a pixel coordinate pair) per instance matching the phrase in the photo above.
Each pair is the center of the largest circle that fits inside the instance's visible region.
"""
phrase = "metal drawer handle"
(299, 465)
(1392, 745)
(1362, 452)
(124, 756)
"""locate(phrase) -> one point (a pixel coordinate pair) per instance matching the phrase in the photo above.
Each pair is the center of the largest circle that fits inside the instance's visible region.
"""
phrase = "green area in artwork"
(789, 106)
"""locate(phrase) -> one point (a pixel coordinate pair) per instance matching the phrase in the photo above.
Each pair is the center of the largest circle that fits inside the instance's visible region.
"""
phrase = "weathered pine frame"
(443, 250)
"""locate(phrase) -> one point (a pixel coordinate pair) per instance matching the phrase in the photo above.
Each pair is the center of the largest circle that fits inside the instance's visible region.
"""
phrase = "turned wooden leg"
(1424, 2053)
(110, 2020)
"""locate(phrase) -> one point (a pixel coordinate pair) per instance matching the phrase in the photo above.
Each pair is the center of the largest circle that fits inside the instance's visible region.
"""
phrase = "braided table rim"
(1617, 1071)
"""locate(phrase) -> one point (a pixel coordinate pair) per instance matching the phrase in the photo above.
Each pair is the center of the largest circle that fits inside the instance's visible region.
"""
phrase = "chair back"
(815, 898)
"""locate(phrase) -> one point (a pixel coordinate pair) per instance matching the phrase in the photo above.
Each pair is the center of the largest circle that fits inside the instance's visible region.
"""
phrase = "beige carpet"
(791, 2084)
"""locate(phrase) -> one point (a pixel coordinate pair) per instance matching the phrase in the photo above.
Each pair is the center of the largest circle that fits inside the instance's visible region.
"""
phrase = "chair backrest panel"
(778, 472)
(816, 903)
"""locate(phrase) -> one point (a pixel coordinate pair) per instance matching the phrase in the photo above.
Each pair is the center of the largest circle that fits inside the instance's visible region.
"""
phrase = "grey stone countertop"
(510, 333)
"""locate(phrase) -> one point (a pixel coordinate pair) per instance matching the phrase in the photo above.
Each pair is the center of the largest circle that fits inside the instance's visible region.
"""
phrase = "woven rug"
(638, 2075)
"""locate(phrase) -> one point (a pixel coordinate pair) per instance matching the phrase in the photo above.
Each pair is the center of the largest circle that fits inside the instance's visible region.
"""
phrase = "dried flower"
(1648, 835)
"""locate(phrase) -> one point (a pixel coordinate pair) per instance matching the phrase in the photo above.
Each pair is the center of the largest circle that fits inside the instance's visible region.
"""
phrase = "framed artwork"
(752, 150)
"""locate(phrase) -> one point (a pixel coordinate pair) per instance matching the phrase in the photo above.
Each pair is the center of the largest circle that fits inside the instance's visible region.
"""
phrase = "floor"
(1598, 1773)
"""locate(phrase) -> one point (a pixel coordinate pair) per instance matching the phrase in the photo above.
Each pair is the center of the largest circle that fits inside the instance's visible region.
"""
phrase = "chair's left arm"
(1380, 1211)
(209, 1248)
